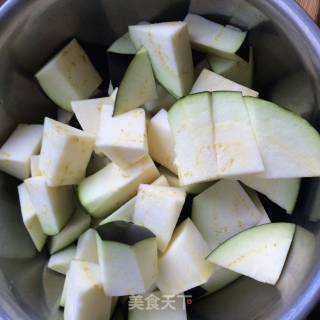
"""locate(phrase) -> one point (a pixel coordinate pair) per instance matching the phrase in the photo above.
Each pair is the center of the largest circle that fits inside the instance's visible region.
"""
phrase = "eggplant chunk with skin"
(127, 258)
(222, 211)
(169, 50)
(284, 156)
(236, 147)
(124, 45)
(283, 192)
(112, 186)
(219, 213)
(259, 252)
(192, 128)
(126, 211)
(137, 85)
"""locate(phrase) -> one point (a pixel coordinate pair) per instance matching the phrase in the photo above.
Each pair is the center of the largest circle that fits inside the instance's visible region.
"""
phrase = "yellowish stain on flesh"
(219, 35)
(250, 253)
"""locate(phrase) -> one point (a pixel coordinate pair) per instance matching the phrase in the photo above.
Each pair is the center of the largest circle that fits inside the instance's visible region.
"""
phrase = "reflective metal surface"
(287, 69)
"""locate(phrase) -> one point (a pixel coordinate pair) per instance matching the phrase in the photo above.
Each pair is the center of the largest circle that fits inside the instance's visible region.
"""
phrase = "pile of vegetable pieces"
(155, 193)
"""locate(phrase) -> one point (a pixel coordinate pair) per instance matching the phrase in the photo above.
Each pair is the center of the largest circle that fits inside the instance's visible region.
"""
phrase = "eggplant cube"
(222, 211)
(158, 208)
(127, 257)
(15, 154)
(88, 112)
(54, 205)
(192, 129)
(160, 140)
(68, 76)
(30, 218)
(60, 261)
(84, 296)
(123, 138)
(170, 53)
(183, 265)
(87, 247)
(236, 147)
(79, 222)
(137, 85)
(65, 153)
(126, 211)
(109, 188)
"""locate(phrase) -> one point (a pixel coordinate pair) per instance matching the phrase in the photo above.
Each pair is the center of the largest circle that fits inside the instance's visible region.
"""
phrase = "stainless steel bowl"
(287, 46)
